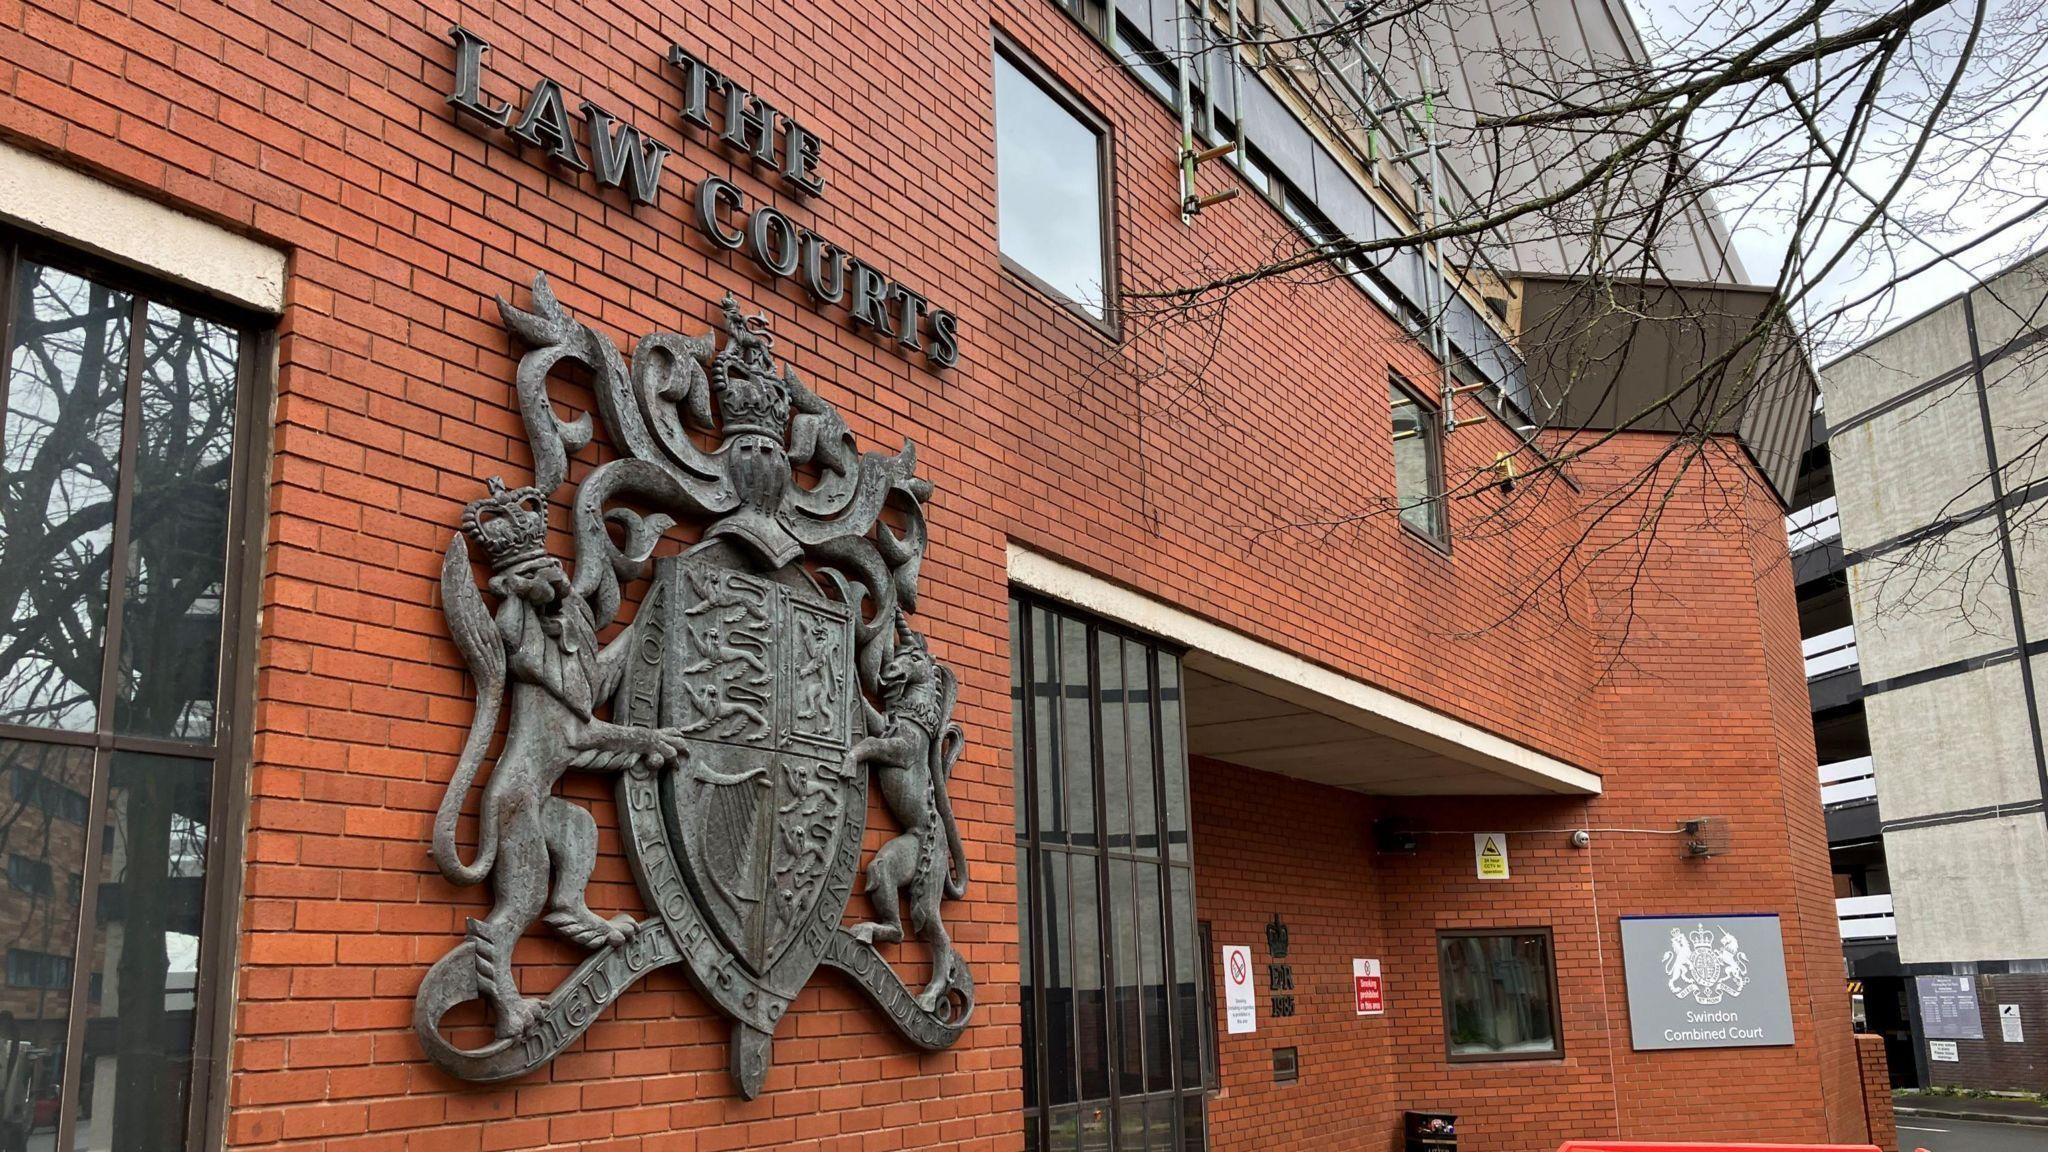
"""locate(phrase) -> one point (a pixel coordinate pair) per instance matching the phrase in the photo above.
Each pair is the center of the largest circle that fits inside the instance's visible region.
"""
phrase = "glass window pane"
(1130, 1126)
(45, 807)
(1063, 1131)
(1109, 678)
(58, 477)
(177, 563)
(1094, 1133)
(145, 978)
(1075, 709)
(1138, 714)
(1091, 1001)
(1173, 758)
(1187, 952)
(1497, 994)
(1152, 971)
(1194, 1136)
(1049, 217)
(1025, 980)
(1124, 960)
(1058, 975)
(1045, 735)
(1020, 771)
(1417, 483)
(1161, 1111)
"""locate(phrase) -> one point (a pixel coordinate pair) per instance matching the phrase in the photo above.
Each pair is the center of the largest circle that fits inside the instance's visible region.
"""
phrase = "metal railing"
(1866, 917)
(1813, 525)
(1830, 651)
(1847, 780)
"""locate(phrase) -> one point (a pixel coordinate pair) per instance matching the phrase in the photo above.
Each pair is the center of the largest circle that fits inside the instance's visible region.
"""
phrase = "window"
(1500, 994)
(1052, 217)
(28, 874)
(30, 969)
(122, 412)
(1092, 15)
(1418, 460)
(1112, 971)
(49, 797)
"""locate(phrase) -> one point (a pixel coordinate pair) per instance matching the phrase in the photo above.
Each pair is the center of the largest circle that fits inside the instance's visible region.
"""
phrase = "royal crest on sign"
(1705, 965)
(769, 670)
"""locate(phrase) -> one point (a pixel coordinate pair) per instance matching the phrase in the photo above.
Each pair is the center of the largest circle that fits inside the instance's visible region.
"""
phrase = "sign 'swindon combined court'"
(1708, 981)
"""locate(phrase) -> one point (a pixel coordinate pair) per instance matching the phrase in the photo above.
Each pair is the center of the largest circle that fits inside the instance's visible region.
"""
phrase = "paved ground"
(1940, 1135)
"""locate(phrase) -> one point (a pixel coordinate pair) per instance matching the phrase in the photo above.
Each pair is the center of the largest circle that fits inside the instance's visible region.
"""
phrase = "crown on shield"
(751, 398)
(1702, 937)
(509, 525)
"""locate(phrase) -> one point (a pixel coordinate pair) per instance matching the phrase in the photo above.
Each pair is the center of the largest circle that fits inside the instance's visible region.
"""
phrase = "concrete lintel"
(68, 206)
(1255, 664)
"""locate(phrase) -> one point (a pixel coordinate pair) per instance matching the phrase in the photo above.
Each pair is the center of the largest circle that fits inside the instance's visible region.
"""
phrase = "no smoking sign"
(1240, 996)
(1367, 988)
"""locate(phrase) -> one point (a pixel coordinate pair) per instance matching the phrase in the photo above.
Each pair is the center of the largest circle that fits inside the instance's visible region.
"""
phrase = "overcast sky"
(1760, 230)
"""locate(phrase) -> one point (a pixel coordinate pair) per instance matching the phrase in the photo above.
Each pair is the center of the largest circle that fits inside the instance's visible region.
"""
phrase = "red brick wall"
(1876, 1075)
(1699, 709)
(1216, 465)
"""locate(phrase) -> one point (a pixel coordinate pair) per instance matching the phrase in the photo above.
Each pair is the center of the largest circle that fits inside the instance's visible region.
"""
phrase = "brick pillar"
(1877, 1092)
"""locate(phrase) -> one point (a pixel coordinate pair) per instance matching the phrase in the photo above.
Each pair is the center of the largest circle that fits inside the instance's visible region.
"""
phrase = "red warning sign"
(1365, 980)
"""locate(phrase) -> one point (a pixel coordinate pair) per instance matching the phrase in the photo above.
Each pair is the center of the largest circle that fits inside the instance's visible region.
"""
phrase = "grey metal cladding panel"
(1347, 206)
(1284, 140)
(1777, 424)
(1575, 349)
(1407, 271)
(1467, 331)
(1155, 17)
(1332, 183)
(1515, 383)
(1220, 66)
(1471, 335)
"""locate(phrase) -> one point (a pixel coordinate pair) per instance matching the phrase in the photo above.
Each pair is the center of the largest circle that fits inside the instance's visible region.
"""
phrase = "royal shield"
(760, 676)
(762, 820)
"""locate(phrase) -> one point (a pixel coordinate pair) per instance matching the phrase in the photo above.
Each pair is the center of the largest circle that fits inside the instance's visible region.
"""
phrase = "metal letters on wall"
(767, 672)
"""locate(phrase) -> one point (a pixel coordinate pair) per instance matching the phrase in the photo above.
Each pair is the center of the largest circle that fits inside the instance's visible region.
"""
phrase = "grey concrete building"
(1922, 536)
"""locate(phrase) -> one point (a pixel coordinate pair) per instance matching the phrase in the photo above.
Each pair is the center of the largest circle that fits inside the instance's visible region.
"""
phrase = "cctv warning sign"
(1491, 852)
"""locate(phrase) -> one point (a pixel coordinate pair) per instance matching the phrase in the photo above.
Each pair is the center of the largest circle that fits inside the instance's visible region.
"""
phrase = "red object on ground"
(1706, 1146)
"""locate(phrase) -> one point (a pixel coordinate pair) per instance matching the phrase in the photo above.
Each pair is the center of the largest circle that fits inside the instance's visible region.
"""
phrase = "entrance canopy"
(1253, 704)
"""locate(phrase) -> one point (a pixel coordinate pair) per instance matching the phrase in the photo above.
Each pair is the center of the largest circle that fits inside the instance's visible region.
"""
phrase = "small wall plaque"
(1286, 1065)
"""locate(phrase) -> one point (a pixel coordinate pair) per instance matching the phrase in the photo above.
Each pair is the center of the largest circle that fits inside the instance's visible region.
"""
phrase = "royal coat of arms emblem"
(770, 670)
(1704, 967)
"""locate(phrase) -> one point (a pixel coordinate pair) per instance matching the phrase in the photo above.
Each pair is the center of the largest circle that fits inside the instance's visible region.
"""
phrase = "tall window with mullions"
(1112, 1006)
(120, 463)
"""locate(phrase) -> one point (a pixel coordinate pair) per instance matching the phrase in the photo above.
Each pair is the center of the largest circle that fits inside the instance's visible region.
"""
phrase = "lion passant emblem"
(770, 671)
(1705, 965)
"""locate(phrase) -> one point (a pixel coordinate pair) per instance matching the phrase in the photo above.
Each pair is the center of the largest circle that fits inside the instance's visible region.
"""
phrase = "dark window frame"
(1005, 49)
(31, 874)
(1182, 1094)
(1433, 441)
(1557, 1048)
(230, 750)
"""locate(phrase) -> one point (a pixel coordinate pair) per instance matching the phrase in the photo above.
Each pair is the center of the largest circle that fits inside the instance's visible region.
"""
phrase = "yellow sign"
(1490, 850)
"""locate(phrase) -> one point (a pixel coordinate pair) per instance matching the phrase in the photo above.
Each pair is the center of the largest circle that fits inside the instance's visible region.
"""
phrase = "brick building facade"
(295, 175)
